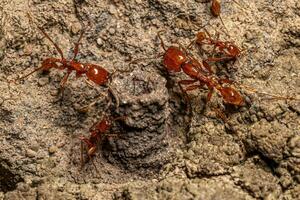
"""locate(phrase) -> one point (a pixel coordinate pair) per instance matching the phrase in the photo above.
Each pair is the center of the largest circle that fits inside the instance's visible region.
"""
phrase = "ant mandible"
(175, 60)
(94, 73)
(98, 130)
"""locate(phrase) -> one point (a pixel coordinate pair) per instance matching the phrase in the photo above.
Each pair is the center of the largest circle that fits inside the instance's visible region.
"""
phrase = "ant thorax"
(77, 66)
(213, 81)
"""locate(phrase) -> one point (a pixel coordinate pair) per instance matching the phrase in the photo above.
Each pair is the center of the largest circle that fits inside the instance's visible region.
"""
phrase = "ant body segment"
(175, 60)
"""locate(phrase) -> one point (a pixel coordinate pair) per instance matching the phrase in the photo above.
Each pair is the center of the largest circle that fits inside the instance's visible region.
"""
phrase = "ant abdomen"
(97, 74)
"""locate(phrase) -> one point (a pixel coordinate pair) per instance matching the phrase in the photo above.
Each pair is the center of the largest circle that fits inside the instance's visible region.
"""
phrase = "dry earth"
(161, 152)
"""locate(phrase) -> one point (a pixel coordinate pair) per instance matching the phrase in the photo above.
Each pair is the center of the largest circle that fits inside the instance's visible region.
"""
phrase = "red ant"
(230, 52)
(98, 130)
(94, 73)
(228, 49)
(175, 60)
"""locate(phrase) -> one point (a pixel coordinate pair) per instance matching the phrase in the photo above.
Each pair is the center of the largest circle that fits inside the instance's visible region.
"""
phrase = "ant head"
(174, 58)
(231, 96)
(103, 125)
(233, 50)
(201, 36)
(215, 8)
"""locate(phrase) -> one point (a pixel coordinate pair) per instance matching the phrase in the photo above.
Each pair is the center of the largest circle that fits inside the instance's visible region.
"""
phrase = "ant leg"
(238, 4)
(209, 95)
(216, 12)
(220, 114)
(186, 82)
(63, 82)
(119, 118)
(61, 89)
(83, 139)
(208, 34)
(111, 135)
(92, 160)
(224, 80)
(193, 87)
(86, 108)
(182, 47)
(113, 93)
(204, 1)
(207, 66)
(148, 58)
(118, 71)
(86, 141)
(47, 36)
(76, 48)
(214, 59)
(215, 46)
(204, 67)
(81, 155)
(191, 43)
(227, 32)
(187, 98)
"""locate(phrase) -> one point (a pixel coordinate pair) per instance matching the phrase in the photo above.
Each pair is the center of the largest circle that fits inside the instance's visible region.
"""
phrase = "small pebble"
(253, 118)
(30, 153)
(34, 146)
(52, 149)
(112, 10)
(23, 187)
(75, 27)
(260, 114)
(54, 92)
(99, 42)
(295, 142)
(112, 31)
(43, 81)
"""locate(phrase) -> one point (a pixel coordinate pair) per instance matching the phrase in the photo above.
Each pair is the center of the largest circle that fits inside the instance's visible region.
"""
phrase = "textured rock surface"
(160, 152)
(144, 101)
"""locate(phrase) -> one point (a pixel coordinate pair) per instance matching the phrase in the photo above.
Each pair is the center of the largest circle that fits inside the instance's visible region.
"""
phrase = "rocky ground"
(161, 150)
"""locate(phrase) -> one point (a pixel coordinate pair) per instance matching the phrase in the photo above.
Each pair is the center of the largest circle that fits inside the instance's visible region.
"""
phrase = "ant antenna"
(46, 35)
(25, 76)
(76, 48)
(216, 12)
(274, 96)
